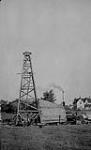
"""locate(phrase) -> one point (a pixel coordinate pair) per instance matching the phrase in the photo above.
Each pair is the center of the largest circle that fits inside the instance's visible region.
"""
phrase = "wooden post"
(59, 119)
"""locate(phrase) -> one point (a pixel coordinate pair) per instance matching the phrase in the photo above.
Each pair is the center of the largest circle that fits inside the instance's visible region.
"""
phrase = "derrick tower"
(27, 93)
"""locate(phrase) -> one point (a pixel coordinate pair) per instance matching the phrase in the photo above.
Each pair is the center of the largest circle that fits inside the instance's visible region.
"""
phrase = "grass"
(62, 137)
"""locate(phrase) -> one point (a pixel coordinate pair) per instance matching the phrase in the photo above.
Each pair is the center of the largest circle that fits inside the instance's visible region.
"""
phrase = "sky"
(58, 33)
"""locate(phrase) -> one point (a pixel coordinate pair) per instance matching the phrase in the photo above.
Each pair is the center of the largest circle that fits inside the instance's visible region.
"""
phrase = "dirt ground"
(62, 137)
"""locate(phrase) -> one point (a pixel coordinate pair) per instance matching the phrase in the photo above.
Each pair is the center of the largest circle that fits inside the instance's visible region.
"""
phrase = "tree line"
(11, 107)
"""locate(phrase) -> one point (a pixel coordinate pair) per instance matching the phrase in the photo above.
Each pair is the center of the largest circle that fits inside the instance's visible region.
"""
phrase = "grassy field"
(62, 137)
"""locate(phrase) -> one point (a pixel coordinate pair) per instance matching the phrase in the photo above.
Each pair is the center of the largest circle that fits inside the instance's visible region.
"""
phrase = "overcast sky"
(59, 35)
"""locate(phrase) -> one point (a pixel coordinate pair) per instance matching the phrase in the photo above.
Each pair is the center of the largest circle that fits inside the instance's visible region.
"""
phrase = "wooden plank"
(29, 111)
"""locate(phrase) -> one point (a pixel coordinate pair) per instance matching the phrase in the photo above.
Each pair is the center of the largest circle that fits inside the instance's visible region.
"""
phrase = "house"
(83, 103)
(80, 104)
(87, 104)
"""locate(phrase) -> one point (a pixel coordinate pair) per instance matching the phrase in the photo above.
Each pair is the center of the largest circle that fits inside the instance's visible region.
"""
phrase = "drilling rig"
(27, 109)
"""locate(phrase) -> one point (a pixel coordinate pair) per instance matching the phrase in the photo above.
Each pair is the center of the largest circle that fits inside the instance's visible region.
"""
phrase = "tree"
(49, 96)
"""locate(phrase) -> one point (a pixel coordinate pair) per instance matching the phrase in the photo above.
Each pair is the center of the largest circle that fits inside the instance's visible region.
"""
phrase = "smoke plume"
(57, 87)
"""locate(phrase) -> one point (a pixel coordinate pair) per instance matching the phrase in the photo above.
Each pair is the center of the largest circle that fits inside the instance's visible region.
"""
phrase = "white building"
(84, 103)
(80, 104)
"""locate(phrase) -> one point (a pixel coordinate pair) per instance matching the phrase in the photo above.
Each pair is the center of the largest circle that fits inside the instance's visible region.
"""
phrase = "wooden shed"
(51, 112)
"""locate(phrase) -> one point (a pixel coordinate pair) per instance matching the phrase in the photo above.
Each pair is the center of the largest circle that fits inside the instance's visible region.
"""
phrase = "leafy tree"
(49, 96)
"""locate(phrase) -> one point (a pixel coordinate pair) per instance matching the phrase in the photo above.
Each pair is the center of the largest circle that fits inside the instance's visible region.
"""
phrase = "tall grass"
(66, 137)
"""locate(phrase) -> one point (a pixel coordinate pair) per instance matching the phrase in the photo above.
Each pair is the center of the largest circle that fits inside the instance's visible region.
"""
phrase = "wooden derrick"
(27, 94)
